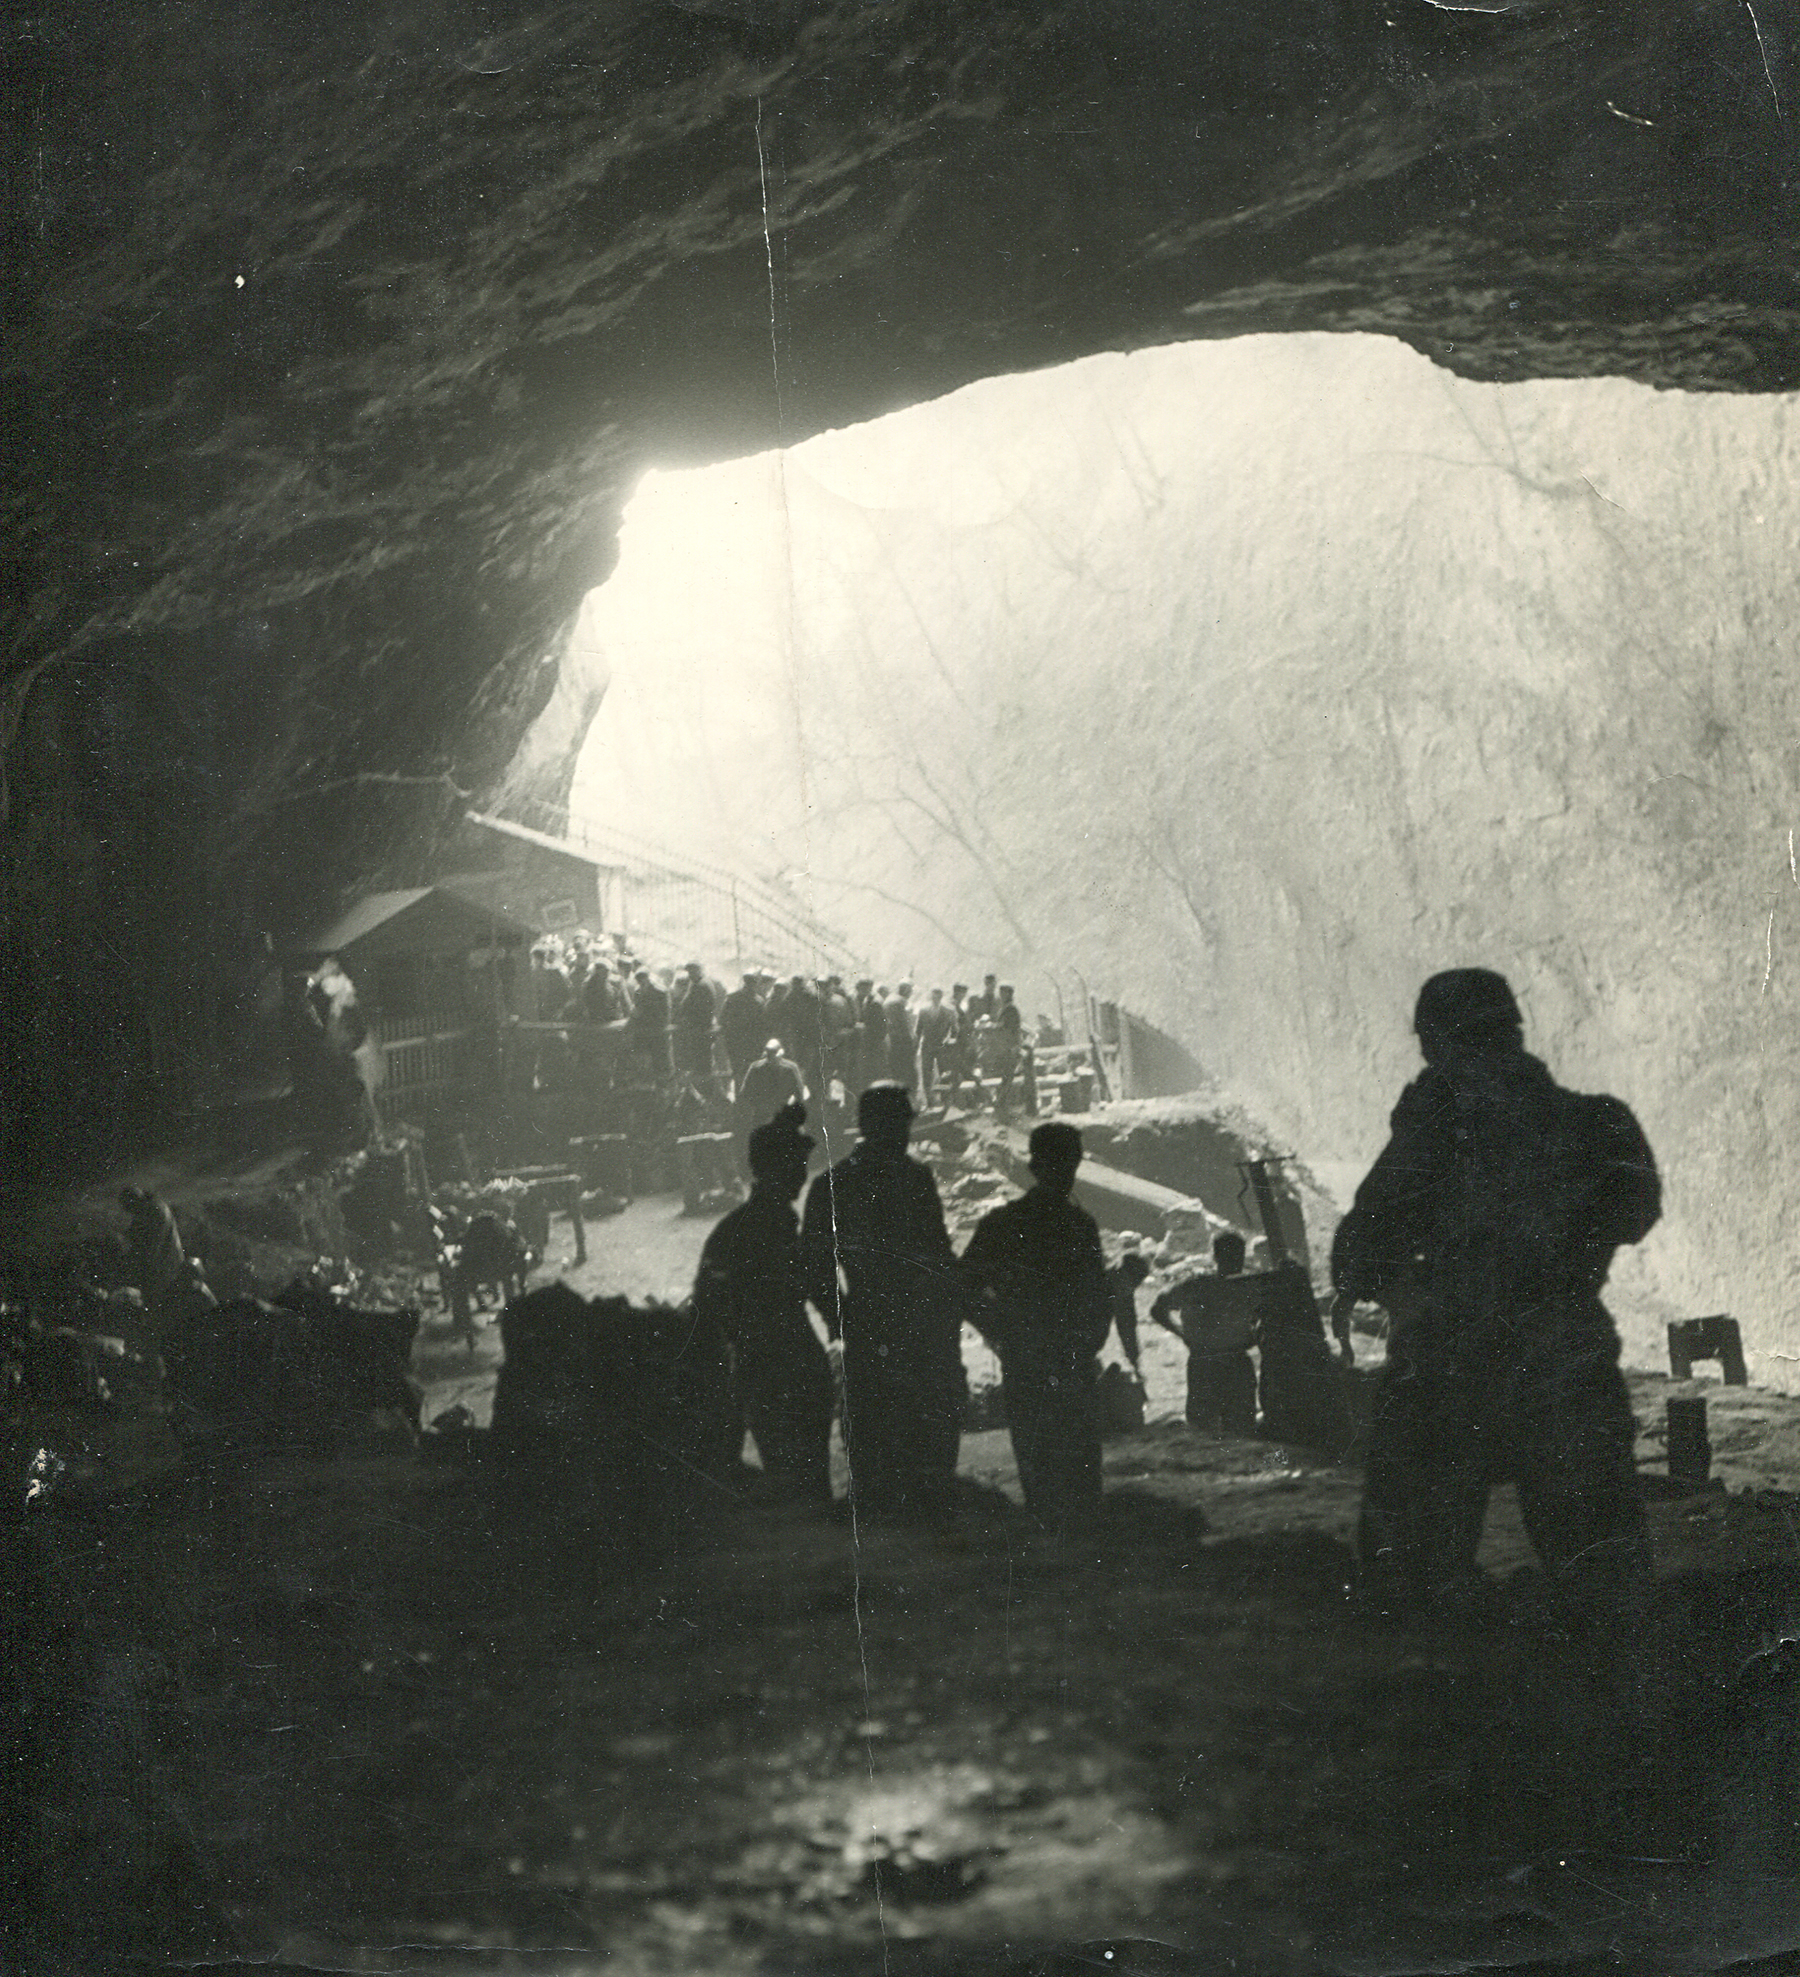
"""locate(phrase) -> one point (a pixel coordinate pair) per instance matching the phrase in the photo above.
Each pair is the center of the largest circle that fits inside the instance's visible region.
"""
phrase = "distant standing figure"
(877, 1263)
(742, 1024)
(903, 1041)
(1009, 1029)
(1215, 1318)
(1487, 1228)
(693, 1026)
(771, 1083)
(959, 1049)
(649, 1028)
(749, 1284)
(1047, 1309)
(871, 1036)
(937, 1023)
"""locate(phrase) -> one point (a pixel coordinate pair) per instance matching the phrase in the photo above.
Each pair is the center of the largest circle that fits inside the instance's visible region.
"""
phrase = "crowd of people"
(1485, 1230)
(747, 1051)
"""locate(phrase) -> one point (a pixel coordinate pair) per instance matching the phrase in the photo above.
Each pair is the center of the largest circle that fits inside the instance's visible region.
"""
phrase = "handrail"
(789, 916)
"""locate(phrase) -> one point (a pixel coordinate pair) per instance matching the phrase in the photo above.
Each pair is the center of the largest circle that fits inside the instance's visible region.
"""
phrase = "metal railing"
(678, 901)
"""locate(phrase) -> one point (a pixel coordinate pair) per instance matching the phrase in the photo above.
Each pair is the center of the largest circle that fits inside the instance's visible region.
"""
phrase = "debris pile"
(611, 1419)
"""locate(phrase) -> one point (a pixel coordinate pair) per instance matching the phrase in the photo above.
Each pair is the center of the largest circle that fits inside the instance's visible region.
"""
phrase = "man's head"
(1228, 1252)
(1134, 1267)
(958, 990)
(904, 991)
(1055, 1155)
(772, 1048)
(779, 1152)
(1467, 1009)
(642, 978)
(937, 996)
(1006, 991)
(987, 982)
(694, 970)
(865, 984)
(884, 1116)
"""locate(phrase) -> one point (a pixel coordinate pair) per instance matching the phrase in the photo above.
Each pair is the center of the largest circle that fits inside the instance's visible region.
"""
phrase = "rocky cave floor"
(346, 1715)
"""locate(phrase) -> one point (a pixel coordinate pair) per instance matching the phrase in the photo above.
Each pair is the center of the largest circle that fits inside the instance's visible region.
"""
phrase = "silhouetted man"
(903, 1041)
(692, 1023)
(982, 1006)
(871, 1035)
(800, 1026)
(960, 1047)
(936, 1023)
(1215, 1318)
(743, 1027)
(1487, 1228)
(749, 1284)
(549, 988)
(1009, 1031)
(877, 1262)
(600, 999)
(1046, 1310)
(648, 1028)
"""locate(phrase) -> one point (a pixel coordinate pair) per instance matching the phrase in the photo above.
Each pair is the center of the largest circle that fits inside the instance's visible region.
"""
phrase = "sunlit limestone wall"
(1250, 683)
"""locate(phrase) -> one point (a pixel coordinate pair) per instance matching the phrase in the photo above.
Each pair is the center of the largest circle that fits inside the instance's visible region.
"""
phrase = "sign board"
(557, 914)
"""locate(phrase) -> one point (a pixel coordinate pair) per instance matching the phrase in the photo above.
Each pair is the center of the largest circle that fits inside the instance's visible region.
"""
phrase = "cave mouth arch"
(1253, 680)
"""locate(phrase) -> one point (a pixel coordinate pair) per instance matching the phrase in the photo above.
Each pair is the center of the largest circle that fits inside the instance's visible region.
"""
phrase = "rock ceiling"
(339, 336)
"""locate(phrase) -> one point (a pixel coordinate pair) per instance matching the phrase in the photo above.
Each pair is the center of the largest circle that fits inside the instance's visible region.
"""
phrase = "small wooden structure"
(437, 976)
(1717, 1338)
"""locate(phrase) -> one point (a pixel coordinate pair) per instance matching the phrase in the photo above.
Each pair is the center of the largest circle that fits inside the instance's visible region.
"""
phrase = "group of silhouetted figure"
(872, 1255)
(1485, 1231)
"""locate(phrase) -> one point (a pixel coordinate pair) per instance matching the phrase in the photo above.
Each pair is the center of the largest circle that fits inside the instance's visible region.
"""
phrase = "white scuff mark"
(1793, 871)
(762, 173)
(1627, 117)
(1762, 48)
(1768, 951)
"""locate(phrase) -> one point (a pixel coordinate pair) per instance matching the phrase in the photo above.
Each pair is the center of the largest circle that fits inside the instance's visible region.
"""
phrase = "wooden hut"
(436, 976)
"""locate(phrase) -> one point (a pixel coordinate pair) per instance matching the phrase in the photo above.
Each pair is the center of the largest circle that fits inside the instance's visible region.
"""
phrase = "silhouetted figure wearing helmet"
(1046, 1309)
(1487, 1228)
(749, 1283)
(877, 1263)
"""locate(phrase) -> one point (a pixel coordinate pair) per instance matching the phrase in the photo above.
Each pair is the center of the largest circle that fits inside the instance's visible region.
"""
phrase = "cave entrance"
(1246, 683)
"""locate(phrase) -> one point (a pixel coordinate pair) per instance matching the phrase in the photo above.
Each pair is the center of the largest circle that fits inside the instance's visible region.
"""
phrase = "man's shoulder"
(728, 1229)
(1007, 1215)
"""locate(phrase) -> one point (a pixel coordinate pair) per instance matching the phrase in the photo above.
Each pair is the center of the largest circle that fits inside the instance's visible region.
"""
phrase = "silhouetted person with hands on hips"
(1486, 1228)
(878, 1267)
(1046, 1308)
